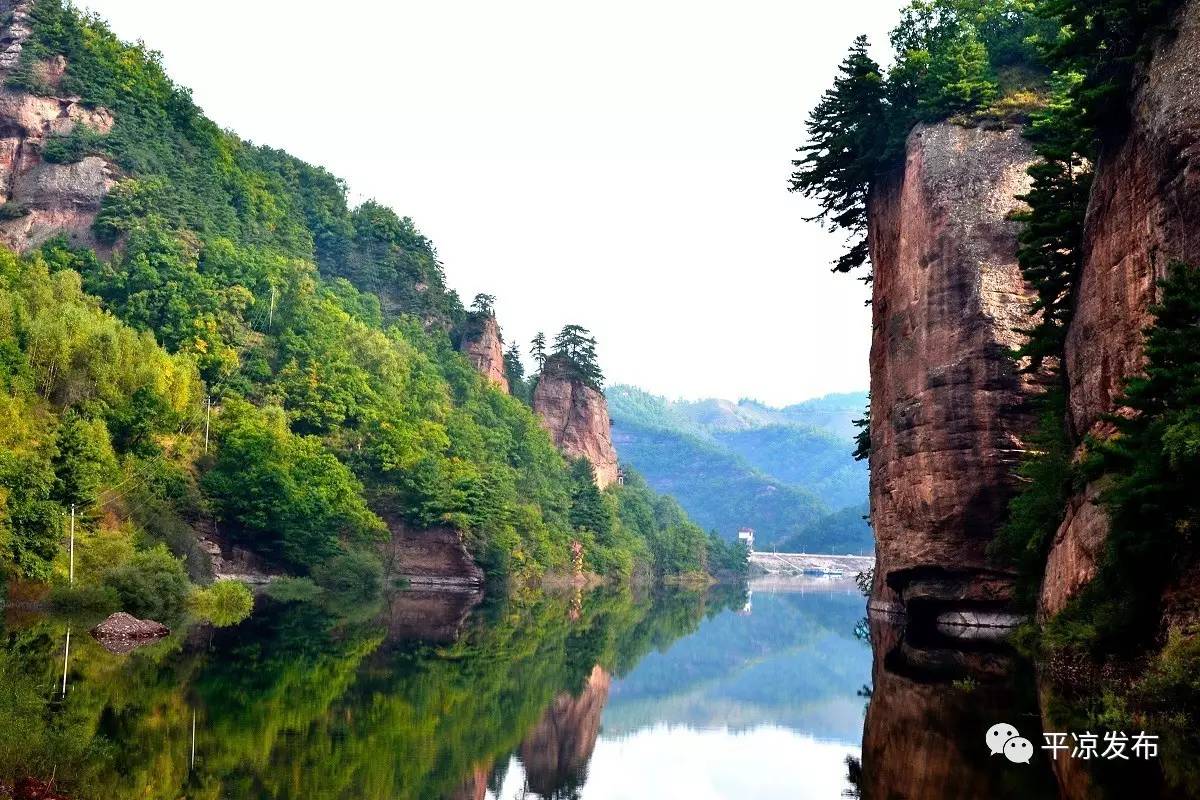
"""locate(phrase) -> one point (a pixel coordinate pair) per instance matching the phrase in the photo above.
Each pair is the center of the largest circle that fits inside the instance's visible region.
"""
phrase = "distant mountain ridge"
(786, 472)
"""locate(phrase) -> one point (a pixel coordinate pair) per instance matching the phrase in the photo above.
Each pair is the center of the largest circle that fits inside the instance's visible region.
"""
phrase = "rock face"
(43, 199)
(1142, 216)
(482, 345)
(435, 558)
(576, 417)
(556, 752)
(948, 412)
(123, 632)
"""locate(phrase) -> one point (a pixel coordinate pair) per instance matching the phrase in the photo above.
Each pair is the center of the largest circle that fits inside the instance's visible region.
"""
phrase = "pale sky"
(621, 165)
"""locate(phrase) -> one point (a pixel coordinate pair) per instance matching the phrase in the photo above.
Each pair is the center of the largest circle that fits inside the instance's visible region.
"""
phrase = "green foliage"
(1051, 253)
(287, 589)
(1151, 469)
(83, 461)
(354, 575)
(225, 603)
(952, 57)
(322, 330)
(1104, 41)
(574, 354)
(153, 584)
(514, 372)
(1035, 512)
(862, 439)
(840, 159)
(288, 495)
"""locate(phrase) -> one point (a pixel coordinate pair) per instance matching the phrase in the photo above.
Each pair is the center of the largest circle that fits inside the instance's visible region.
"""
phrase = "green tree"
(484, 305)
(575, 347)
(289, 497)
(84, 460)
(1051, 240)
(537, 349)
(842, 155)
(514, 371)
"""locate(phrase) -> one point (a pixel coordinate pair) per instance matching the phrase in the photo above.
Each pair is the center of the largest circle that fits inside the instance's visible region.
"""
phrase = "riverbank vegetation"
(278, 688)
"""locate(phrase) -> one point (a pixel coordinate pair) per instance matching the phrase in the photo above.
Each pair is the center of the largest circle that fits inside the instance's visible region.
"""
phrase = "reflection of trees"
(298, 702)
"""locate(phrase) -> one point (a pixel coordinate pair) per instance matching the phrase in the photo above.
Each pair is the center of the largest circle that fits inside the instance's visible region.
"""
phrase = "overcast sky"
(621, 165)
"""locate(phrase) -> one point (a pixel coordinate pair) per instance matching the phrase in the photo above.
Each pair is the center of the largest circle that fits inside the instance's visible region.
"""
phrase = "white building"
(746, 536)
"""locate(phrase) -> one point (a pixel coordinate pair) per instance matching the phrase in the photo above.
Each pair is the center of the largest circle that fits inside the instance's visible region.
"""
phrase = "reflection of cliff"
(923, 735)
(556, 752)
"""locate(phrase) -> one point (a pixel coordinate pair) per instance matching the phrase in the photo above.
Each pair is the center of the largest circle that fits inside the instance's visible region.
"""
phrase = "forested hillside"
(784, 472)
(232, 347)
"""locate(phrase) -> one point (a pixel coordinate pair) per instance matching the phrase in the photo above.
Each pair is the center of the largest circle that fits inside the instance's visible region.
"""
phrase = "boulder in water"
(122, 632)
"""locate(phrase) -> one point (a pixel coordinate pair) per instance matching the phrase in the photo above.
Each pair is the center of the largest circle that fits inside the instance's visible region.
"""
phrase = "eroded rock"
(483, 347)
(576, 417)
(1142, 215)
(948, 409)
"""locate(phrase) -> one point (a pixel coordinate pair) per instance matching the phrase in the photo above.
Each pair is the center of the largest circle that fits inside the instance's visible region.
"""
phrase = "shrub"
(292, 590)
(225, 603)
(354, 575)
(153, 584)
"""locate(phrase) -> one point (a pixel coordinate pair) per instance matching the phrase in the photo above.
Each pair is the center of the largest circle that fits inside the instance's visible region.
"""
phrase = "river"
(758, 692)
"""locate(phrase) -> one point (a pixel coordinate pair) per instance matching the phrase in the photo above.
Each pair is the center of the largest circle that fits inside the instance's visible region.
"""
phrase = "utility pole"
(207, 417)
(271, 311)
(71, 557)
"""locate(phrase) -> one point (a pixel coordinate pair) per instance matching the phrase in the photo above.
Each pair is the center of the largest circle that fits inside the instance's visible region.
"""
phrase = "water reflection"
(932, 702)
(438, 696)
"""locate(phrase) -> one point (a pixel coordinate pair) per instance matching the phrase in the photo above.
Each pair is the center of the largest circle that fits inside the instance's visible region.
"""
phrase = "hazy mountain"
(785, 472)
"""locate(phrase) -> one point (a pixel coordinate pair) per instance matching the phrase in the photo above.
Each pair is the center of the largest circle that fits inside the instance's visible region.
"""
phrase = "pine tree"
(1050, 253)
(537, 349)
(514, 371)
(484, 305)
(575, 345)
(959, 78)
(843, 151)
(862, 439)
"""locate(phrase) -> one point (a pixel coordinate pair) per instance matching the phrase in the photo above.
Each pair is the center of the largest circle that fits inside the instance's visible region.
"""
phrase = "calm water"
(732, 694)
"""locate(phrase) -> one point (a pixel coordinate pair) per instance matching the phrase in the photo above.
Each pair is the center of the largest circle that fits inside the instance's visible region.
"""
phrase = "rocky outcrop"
(123, 632)
(948, 410)
(435, 558)
(556, 752)
(484, 348)
(576, 417)
(41, 199)
(1142, 215)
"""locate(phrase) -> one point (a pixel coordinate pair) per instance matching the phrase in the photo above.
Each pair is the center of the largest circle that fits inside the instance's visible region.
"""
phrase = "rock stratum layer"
(1143, 214)
(576, 417)
(484, 348)
(948, 411)
(41, 199)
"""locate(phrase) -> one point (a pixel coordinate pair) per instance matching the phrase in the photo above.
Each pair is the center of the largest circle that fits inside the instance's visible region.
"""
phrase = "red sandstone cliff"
(484, 348)
(41, 198)
(576, 417)
(948, 411)
(556, 752)
(1144, 213)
